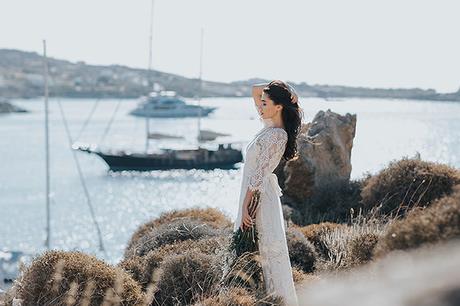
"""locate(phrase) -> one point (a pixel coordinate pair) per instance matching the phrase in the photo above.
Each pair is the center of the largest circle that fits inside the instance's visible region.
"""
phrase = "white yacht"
(167, 104)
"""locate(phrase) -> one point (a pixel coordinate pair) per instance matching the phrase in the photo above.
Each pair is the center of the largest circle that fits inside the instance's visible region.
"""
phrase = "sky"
(369, 43)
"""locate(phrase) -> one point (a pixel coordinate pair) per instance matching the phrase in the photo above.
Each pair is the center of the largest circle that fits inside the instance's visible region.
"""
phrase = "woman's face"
(268, 108)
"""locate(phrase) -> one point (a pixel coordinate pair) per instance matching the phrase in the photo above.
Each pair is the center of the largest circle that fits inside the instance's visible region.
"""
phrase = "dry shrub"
(361, 248)
(185, 278)
(269, 300)
(408, 183)
(168, 233)
(297, 274)
(211, 216)
(143, 267)
(245, 271)
(313, 233)
(308, 278)
(233, 296)
(329, 202)
(438, 222)
(302, 252)
(6, 297)
(65, 278)
(348, 246)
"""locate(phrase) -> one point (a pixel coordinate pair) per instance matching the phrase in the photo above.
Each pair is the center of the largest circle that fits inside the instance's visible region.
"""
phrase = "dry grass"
(185, 278)
(210, 216)
(313, 233)
(408, 183)
(438, 222)
(182, 258)
(68, 278)
(297, 274)
(418, 277)
(230, 297)
(168, 233)
(142, 267)
(244, 271)
(302, 252)
(345, 247)
(6, 298)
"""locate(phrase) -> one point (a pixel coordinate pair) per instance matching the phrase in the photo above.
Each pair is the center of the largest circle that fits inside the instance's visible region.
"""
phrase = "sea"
(386, 130)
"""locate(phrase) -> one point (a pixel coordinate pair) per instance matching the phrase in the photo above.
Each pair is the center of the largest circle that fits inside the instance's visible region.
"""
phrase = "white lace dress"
(262, 156)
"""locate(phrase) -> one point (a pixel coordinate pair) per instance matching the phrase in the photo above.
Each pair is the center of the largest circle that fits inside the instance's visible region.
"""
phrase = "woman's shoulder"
(274, 134)
(279, 132)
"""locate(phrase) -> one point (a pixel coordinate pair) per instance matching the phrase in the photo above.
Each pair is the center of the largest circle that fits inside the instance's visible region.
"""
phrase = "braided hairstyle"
(292, 114)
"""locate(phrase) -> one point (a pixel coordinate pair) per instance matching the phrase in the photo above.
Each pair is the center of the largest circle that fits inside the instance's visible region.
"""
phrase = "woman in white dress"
(277, 104)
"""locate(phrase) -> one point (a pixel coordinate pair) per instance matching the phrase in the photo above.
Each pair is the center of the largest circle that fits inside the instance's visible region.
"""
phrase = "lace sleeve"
(271, 148)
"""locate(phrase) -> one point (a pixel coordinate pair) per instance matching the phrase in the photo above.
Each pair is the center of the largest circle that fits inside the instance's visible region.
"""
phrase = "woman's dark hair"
(292, 114)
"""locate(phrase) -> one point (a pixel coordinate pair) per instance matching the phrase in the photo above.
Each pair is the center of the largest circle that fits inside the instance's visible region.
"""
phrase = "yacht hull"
(171, 114)
(223, 158)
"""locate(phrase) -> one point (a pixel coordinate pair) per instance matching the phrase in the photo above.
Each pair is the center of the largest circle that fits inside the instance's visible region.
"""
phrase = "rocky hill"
(21, 76)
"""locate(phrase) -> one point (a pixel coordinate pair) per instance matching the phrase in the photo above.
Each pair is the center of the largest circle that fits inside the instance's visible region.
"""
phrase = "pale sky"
(386, 43)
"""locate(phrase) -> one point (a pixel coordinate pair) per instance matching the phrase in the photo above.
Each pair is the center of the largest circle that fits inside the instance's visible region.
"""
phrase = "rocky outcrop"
(324, 147)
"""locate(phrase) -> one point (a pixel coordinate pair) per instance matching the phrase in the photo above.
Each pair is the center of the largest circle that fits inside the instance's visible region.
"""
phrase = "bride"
(277, 104)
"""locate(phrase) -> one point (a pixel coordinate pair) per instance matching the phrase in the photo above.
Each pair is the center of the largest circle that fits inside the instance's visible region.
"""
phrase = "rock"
(324, 148)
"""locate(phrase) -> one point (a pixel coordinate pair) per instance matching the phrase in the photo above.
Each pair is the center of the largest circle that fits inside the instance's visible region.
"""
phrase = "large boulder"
(324, 147)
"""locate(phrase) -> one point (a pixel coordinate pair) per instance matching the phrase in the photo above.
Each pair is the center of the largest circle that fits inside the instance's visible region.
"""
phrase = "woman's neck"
(273, 122)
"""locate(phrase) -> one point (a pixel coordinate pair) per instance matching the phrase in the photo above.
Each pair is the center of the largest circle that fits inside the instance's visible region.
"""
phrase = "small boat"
(163, 136)
(167, 104)
(224, 158)
(7, 107)
(208, 135)
(163, 103)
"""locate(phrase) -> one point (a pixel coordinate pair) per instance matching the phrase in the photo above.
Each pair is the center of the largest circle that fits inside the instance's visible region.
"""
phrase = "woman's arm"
(247, 221)
(257, 93)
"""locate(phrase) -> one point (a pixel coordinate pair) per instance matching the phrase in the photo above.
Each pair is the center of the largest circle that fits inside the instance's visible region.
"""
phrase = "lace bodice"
(263, 155)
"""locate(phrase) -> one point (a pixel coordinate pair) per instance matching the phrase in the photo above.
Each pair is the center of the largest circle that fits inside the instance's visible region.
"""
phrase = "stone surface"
(324, 146)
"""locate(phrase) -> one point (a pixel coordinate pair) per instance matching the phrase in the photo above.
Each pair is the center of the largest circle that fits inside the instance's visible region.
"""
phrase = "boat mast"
(147, 121)
(200, 86)
(47, 155)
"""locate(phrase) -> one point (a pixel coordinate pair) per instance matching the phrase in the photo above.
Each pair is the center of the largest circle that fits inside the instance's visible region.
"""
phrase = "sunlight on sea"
(386, 130)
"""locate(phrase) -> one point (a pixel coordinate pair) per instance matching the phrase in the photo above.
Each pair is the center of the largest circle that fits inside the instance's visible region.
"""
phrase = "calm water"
(386, 130)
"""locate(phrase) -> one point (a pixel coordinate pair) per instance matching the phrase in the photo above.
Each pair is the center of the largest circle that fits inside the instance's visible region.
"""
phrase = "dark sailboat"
(224, 157)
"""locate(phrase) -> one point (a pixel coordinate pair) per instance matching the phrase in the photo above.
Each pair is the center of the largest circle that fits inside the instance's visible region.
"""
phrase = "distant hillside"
(21, 76)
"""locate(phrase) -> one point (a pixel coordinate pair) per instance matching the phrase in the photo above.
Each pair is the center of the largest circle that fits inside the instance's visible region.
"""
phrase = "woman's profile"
(277, 105)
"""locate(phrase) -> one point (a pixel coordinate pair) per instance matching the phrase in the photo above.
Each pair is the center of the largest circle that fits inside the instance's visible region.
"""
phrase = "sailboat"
(200, 158)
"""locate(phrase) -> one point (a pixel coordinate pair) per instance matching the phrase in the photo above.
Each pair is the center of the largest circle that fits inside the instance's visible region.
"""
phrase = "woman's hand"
(247, 221)
(257, 90)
